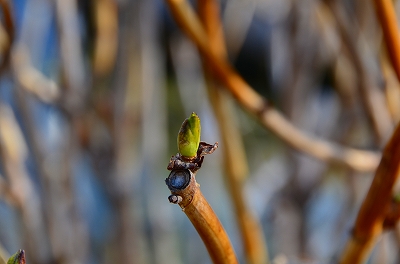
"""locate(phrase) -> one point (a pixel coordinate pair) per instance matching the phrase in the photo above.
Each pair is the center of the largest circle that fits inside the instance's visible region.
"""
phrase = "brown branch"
(373, 211)
(234, 156)
(106, 41)
(185, 191)
(372, 98)
(259, 107)
(387, 17)
(10, 30)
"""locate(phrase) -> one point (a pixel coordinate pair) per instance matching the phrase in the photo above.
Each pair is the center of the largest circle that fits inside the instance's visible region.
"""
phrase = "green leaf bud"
(189, 136)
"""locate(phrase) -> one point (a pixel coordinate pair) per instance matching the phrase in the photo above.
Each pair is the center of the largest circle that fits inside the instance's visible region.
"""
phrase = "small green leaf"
(189, 136)
(17, 258)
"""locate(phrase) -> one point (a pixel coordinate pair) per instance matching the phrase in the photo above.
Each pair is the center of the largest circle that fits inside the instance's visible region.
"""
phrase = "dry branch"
(234, 157)
(186, 192)
(106, 41)
(9, 30)
(13, 153)
(259, 107)
(372, 98)
(373, 211)
(387, 17)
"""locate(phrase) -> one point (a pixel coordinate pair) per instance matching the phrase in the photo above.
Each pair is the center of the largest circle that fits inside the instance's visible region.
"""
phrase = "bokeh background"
(93, 93)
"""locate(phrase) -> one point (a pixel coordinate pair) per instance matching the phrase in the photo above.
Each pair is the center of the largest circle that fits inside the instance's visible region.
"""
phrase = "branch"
(185, 191)
(372, 98)
(73, 70)
(256, 105)
(106, 39)
(10, 30)
(234, 156)
(374, 210)
(387, 17)
(13, 153)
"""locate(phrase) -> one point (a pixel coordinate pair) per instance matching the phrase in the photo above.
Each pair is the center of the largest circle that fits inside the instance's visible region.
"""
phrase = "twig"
(60, 211)
(106, 41)
(73, 245)
(259, 107)
(387, 17)
(372, 99)
(13, 152)
(10, 30)
(373, 211)
(235, 167)
(73, 69)
(234, 157)
(185, 191)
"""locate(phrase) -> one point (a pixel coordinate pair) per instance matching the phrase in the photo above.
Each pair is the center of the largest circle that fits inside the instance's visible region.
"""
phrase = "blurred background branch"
(234, 157)
(92, 94)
